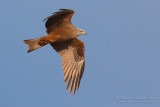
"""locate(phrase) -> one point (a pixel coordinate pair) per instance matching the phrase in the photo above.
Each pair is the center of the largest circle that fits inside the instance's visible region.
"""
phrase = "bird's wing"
(59, 19)
(72, 54)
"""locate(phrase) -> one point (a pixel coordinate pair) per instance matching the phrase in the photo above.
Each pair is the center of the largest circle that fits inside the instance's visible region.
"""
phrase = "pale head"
(80, 32)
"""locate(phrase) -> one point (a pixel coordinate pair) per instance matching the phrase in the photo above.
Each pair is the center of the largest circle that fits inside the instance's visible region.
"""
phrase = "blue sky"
(122, 52)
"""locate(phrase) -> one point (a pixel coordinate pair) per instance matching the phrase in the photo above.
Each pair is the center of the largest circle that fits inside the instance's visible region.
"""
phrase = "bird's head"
(81, 32)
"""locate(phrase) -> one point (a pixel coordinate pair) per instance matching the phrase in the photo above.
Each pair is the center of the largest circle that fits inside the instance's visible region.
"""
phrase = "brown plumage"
(62, 36)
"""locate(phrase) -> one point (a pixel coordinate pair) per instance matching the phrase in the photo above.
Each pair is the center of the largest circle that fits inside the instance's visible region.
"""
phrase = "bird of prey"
(62, 36)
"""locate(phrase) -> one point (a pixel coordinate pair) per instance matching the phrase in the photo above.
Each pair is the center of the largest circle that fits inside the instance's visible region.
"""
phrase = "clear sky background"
(122, 52)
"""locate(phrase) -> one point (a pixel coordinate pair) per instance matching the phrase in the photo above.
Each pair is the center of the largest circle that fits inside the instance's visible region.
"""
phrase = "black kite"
(62, 36)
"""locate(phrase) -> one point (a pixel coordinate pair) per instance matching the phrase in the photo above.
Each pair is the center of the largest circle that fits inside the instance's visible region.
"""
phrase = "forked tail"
(34, 44)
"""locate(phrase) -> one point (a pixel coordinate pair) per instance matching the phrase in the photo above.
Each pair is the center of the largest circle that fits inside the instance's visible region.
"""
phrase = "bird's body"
(62, 36)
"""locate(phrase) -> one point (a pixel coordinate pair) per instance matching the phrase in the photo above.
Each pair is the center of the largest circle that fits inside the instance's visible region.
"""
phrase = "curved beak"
(85, 33)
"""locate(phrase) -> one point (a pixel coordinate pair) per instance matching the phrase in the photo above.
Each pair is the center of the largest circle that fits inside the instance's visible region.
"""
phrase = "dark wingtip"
(60, 10)
(45, 19)
(64, 9)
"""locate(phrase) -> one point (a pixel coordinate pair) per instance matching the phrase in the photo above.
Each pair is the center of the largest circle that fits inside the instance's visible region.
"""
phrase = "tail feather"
(33, 44)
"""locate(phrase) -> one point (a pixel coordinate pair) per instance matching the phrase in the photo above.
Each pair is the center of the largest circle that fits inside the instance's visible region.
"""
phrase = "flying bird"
(62, 36)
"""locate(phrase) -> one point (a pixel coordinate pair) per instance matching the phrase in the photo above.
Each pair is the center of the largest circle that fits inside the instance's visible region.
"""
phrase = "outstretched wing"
(72, 54)
(59, 19)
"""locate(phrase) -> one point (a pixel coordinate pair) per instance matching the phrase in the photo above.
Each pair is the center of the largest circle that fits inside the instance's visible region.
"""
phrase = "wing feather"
(80, 74)
(69, 71)
(59, 19)
(72, 54)
(73, 78)
(76, 79)
(66, 64)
